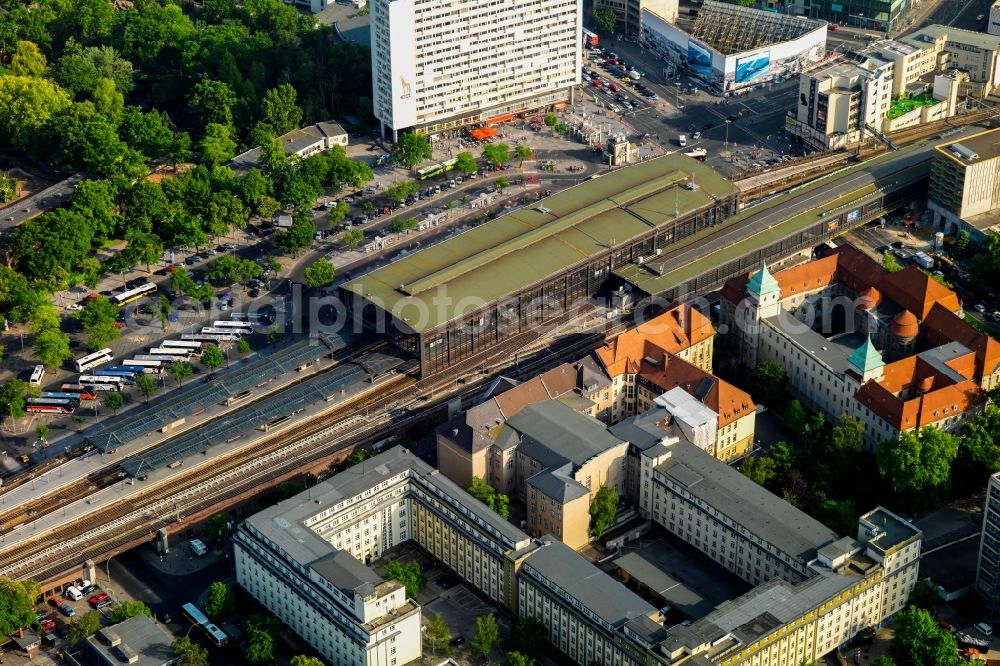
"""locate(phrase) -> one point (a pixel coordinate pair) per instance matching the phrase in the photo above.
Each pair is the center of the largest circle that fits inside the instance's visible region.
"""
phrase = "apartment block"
(988, 566)
(975, 53)
(965, 185)
(306, 559)
(843, 102)
(889, 349)
(438, 67)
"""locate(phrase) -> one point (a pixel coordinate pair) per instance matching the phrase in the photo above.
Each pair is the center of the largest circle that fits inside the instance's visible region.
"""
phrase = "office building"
(137, 641)
(988, 566)
(889, 349)
(993, 20)
(965, 185)
(880, 15)
(306, 559)
(438, 67)
(842, 102)
(975, 53)
(301, 142)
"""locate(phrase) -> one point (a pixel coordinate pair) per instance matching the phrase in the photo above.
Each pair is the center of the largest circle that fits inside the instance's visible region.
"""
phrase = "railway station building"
(534, 265)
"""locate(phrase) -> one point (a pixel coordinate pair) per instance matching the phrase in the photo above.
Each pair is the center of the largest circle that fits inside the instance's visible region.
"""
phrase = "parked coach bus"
(93, 360)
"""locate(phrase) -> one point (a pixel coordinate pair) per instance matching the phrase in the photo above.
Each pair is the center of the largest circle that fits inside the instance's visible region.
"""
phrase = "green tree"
(917, 465)
(88, 139)
(302, 660)
(487, 635)
(108, 100)
(273, 335)
(215, 529)
(561, 128)
(551, 119)
(919, 641)
(42, 431)
(407, 573)
(299, 236)
(81, 69)
(212, 102)
(603, 509)
(218, 146)
(496, 154)
(26, 106)
(279, 111)
(243, 346)
(83, 627)
(52, 348)
(261, 647)
(411, 149)
(760, 469)
(884, 660)
(501, 184)
(16, 604)
(12, 401)
(403, 190)
(783, 456)
(399, 225)
(8, 189)
(98, 318)
(518, 659)
(163, 311)
(963, 242)
(796, 416)
(28, 60)
(768, 384)
(319, 273)
(146, 385)
(530, 635)
(353, 238)
(189, 653)
(212, 357)
(746, 3)
(889, 263)
(925, 595)
(219, 601)
(522, 153)
(180, 371)
(839, 515)
(605, 20)
(438, 634)
(981, 443)
(127, 609)
(113, 400)
(488, 495)
(466, 163)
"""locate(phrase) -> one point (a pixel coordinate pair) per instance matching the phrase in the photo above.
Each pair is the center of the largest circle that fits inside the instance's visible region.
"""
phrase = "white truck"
(283, 221)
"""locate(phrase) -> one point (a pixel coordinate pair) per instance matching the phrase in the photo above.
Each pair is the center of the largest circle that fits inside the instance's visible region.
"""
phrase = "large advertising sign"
(700, 59)
(753, 66)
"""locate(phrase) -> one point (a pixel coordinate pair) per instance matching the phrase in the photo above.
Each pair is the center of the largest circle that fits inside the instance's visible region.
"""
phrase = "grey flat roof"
(647, 573)
(894, 530)
(642, 430)
(283, 524)
(579, 579)
(834, 352)
(762, 513)
(554, 433)
(146, 638)
(558, 484)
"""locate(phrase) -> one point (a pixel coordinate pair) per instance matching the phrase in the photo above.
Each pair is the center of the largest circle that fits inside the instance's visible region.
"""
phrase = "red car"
(597, 83)
(55, 601)
(48, 624)
(614, 86)
(98, 599)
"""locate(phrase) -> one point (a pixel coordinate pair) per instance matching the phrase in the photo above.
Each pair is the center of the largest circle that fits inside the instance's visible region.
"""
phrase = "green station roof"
(527, 245)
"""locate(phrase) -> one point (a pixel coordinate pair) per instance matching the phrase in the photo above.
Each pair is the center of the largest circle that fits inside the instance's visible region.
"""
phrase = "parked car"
(67, 610)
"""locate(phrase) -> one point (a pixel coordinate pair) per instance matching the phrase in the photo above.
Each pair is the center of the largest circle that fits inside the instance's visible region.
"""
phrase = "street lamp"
(727, 133)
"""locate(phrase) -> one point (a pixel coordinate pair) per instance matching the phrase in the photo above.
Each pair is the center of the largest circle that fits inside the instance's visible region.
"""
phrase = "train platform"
(316, 396)
(75, 469)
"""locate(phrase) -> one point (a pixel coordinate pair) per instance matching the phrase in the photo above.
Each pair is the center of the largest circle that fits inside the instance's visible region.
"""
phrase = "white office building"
(438, 66)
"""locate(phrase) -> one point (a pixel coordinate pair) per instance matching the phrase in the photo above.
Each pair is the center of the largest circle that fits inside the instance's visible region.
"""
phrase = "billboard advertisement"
(753, 66)
(699, 59)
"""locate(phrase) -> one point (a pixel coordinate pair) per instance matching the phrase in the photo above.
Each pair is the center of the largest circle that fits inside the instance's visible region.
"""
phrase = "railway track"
(139, 515)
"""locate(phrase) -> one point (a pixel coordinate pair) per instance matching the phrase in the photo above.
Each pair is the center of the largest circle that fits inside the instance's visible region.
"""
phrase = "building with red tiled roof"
(890, 349)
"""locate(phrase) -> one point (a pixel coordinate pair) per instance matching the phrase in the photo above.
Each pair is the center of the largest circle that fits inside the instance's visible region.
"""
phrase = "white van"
(73, 594)
(682, 140)
(984, 629)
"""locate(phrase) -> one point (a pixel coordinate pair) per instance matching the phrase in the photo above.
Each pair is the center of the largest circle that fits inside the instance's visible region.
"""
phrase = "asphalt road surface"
(51, 197)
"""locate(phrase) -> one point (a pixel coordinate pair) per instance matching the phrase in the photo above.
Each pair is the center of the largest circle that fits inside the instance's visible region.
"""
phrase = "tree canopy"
(488, 495)
(919, 641)
(17, 598)
(603, 508)
(917, 465)
(407, 573)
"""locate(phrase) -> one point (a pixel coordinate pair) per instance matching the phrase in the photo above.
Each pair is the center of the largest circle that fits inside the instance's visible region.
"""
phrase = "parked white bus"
(153, 367)
(36, 375)
(181, 344)
(102, 382)
(93, 360)
(174, 353)
(241, 326)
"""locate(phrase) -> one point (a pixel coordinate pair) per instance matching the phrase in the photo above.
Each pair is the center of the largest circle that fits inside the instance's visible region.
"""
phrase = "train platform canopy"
(527, 245)
(195, 398)
(481, 133)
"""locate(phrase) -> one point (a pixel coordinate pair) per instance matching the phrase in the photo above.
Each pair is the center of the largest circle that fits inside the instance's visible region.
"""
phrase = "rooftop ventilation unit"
(964, 153)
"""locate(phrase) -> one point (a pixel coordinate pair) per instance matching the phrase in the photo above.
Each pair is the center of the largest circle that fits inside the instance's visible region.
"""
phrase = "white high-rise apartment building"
(444, 64)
